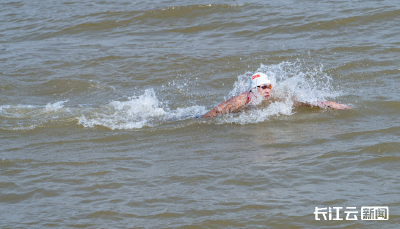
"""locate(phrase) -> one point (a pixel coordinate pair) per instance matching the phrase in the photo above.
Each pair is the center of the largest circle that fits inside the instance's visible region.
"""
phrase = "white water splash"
(291, 82)
(28, 117)
(53, 107)
(138, 112)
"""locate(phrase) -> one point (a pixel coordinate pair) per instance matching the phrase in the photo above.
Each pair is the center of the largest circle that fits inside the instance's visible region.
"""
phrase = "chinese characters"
(367, 213)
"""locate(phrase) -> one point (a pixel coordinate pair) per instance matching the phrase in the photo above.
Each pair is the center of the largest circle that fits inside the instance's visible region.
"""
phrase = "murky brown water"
(99, 107)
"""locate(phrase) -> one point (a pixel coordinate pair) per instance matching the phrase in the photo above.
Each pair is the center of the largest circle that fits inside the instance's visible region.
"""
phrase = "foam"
(53, 107)
(138, 112)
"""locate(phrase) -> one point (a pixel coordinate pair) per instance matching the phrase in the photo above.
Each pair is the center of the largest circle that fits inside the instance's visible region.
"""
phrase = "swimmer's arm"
(233, 104)
(324, 104)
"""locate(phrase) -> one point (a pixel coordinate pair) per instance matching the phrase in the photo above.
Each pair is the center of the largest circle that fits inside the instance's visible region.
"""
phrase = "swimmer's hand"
(333, 105)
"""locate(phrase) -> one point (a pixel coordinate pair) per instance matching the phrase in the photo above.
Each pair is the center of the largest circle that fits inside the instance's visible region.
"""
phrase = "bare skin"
(240, 101)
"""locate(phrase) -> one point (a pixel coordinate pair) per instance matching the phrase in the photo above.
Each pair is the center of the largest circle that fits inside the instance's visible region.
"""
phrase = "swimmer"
(261, 89)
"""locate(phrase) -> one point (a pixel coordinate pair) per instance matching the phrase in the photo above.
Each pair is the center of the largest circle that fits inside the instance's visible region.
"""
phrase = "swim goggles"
(265, 87)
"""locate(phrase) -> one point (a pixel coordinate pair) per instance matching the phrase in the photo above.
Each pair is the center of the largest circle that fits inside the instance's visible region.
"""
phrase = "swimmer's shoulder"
(244, 97)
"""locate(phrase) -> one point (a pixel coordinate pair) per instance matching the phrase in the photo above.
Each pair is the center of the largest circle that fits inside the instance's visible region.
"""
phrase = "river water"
(100, 104)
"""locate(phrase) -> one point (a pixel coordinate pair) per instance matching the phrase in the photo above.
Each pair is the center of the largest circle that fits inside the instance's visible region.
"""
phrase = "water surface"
(99, 107)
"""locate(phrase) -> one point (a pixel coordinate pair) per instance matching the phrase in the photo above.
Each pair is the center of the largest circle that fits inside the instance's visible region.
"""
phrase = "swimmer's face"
(264, 90)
